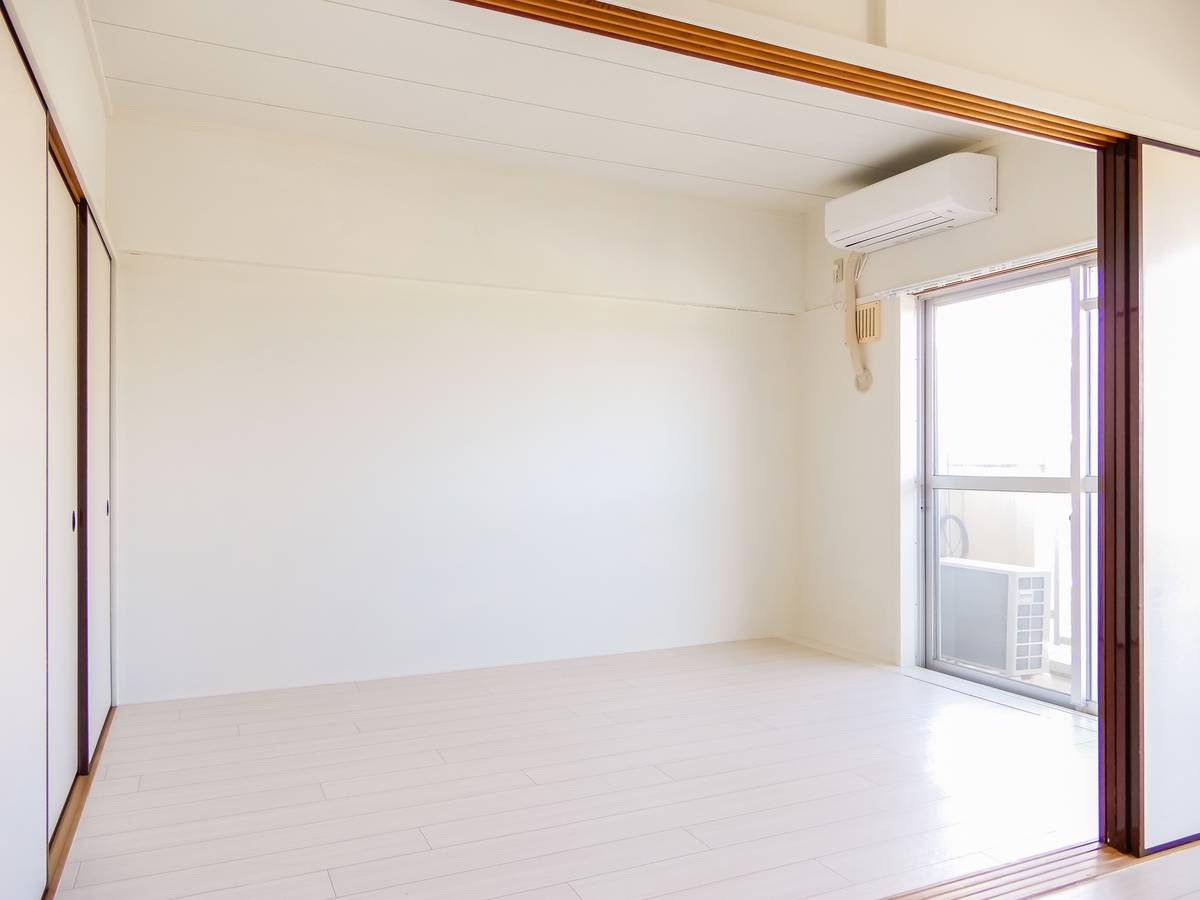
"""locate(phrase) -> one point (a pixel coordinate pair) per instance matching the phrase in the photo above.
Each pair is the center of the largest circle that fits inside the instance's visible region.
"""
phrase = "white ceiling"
(471, 80)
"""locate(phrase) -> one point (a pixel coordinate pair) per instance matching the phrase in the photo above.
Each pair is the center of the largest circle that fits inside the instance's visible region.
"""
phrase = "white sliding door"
(99, 271)
(62, 587)
(22, 479)
(1170, 496)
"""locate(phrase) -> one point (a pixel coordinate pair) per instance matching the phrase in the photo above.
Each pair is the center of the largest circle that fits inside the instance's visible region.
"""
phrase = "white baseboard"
(838, 650)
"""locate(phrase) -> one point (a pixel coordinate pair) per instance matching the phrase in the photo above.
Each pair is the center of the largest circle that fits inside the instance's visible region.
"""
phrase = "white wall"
(233, 194)
(858, 580)
(238, 199)
(1135, 57)
(848, 18)
(856, 478)
(1129, 66)
(324, 476)
(1046, 200)
(56, 35)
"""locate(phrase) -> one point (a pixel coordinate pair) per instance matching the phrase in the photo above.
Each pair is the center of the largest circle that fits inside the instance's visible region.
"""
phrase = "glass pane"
(1003, 583)
(1170, 494)
(1002, 370)
(1091, 596)
(1091, 435)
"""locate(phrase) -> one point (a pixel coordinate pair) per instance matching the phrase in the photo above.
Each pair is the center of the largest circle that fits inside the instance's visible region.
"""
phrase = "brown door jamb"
(81, 457)
(1120, 501)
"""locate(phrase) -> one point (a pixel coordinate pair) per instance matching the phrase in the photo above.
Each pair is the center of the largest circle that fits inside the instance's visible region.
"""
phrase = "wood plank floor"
(755, 769)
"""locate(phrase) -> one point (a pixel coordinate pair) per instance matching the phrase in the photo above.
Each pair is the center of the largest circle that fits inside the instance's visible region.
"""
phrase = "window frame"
(1080, 484)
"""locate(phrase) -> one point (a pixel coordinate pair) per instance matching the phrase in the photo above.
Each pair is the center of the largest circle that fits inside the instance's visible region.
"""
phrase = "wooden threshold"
(68, 822)
(638, 27)
(1032, 877)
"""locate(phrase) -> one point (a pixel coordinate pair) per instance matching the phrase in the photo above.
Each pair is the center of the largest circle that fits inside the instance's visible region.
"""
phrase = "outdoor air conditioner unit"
(955, 190)
(993, 616)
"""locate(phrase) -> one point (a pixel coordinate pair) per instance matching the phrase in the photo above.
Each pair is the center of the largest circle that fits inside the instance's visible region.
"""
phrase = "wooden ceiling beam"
(618, 22)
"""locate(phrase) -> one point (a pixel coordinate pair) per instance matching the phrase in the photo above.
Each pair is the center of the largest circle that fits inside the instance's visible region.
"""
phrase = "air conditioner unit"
(994, 616)
(955, 190)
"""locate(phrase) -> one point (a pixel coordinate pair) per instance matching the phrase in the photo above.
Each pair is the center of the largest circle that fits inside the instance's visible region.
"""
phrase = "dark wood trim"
(638, 27)
(1120, 499)
(61, 159)
(64, 833)
(68, 822)
(81, 469)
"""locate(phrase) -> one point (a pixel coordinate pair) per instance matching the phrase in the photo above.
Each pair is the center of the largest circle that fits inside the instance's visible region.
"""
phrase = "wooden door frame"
(58, 152)
(1118, 250)
(68, 821)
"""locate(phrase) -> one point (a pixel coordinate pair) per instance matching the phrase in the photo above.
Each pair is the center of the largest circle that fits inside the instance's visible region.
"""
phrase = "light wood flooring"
(755, 770)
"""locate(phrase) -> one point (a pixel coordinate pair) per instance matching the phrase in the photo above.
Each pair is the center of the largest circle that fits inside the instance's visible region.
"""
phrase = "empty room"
(557, 450)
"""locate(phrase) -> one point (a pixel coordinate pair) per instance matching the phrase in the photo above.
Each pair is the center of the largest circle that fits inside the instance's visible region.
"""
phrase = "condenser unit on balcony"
(994, 616)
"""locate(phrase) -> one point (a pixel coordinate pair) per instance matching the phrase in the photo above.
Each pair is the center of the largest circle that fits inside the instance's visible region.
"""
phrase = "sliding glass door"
(1010, 486)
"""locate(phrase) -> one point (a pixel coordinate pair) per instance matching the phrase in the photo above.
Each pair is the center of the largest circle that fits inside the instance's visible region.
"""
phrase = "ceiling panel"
(433, 68)
(457, 16)
(172, 105)
(200, 68)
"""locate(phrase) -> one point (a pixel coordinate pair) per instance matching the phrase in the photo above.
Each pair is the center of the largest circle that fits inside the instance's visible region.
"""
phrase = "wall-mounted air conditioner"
(955, 190)
(994, 616)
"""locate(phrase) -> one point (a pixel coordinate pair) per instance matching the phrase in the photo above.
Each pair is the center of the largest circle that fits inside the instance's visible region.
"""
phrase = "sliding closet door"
(1170, 495)
(22, 479)
(99, 271)
(62, 574)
